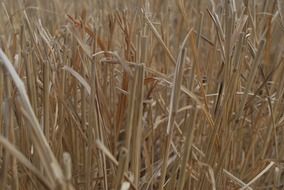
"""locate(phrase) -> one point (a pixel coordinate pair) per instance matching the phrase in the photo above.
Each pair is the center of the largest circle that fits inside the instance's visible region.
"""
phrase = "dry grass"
(141, 94)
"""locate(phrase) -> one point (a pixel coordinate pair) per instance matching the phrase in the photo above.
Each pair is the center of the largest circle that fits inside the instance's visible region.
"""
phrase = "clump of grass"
(141, 94)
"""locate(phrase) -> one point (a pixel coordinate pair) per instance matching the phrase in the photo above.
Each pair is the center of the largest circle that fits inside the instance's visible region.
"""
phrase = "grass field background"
(140, 94)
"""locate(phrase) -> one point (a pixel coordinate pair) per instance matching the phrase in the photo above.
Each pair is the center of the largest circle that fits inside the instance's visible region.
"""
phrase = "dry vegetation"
(140, 94)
